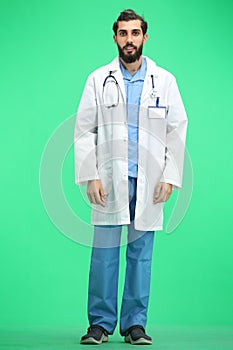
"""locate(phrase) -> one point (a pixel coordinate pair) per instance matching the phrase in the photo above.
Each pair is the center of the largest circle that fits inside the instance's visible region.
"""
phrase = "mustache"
(130, 45)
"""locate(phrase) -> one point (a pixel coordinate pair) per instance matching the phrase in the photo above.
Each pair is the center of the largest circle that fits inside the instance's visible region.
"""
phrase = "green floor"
(164, 338)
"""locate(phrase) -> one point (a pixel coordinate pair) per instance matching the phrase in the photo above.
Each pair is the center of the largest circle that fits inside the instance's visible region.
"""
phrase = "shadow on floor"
(172, 337)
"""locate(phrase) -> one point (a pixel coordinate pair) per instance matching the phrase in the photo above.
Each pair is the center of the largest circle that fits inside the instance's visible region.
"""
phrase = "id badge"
(156, 112)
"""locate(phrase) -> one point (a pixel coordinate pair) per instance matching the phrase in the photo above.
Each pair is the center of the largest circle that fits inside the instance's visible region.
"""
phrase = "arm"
(175, 145)
(85, 136)
(176, 136)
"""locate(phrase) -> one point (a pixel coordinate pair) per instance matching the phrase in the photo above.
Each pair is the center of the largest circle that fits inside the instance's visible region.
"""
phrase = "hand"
(162, 192)
(95, 192)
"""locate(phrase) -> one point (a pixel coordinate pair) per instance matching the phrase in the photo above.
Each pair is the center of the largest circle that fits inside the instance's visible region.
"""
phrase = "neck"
(134, 66)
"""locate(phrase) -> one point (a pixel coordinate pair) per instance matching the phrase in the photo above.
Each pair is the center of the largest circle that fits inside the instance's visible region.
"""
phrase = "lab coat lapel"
(147, 86)
(114, 66)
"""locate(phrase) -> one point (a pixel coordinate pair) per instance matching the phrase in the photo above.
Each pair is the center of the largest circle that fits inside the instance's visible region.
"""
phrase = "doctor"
(129, 145)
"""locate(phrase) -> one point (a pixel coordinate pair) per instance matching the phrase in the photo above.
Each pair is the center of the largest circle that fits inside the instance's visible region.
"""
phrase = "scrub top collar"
(139, 75)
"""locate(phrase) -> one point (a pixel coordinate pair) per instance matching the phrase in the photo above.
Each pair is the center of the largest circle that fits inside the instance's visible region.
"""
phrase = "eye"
(122, 33)
(136, 32)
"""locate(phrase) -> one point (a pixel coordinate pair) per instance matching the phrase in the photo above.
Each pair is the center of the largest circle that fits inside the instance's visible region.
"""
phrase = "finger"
(102, 196)
(91, 193)
(93, 198)
(168, 191)
(89, 197)
(167, 196)
(157, 192)
(98, 199)
(162, 194)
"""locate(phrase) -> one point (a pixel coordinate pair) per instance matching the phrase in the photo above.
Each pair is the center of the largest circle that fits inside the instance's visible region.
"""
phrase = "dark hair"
(130, 15)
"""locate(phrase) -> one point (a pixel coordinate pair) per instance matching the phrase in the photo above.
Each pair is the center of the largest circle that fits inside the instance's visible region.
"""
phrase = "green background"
(47, 50)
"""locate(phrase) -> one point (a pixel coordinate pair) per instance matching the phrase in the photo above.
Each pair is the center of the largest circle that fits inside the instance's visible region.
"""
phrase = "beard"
(129, 57)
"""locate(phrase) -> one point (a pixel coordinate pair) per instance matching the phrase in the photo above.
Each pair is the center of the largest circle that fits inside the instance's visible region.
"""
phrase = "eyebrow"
(125, 30)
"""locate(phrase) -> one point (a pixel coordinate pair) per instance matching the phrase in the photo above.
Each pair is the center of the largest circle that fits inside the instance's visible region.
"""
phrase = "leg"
(138, 272)
(103, 277)
(137, 280)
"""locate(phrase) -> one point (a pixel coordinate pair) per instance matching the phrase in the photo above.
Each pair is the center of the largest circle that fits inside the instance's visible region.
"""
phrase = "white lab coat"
(101, 144)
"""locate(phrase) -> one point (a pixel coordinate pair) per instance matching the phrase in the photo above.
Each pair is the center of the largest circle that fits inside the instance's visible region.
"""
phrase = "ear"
(115, 39)
(145, 37)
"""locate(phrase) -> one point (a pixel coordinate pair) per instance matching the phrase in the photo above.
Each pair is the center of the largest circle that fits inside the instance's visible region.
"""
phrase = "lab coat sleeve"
(175, 138)
(85, 136)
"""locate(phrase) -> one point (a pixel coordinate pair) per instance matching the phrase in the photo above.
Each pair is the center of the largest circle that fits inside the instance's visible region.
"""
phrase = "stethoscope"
(111, 79)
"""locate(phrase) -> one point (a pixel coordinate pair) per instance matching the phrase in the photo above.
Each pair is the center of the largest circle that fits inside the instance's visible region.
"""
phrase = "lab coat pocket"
(156, 112)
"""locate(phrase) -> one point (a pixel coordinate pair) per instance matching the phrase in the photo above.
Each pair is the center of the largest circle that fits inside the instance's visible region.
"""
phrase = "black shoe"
(136, 335)
(95, 335)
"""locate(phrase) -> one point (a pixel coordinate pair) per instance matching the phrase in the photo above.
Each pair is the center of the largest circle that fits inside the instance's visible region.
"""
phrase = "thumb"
(101, 191)
(158, 189)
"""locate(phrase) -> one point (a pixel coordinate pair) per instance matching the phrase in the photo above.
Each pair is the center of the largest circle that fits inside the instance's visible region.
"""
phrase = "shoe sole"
(140, 341)
(92, 340)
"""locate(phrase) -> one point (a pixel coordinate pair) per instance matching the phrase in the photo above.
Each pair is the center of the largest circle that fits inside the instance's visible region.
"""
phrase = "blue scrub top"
(133, 89)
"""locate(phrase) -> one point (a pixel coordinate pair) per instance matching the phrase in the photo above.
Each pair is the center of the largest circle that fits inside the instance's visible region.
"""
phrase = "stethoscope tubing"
(153, 92)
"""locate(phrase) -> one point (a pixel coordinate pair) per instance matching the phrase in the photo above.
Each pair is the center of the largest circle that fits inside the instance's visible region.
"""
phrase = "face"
(130, 40)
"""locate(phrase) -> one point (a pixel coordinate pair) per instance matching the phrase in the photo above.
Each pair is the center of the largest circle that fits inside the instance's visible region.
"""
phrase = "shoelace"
(135, 327)
(97, 327)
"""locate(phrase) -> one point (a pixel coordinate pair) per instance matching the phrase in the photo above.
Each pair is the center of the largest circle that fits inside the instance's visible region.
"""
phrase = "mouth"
(129, 49)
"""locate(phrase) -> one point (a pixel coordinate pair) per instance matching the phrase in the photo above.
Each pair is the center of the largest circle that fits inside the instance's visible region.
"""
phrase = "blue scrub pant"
(104, 271)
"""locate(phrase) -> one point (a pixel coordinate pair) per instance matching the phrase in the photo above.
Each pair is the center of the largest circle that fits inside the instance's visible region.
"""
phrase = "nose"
(129, 38)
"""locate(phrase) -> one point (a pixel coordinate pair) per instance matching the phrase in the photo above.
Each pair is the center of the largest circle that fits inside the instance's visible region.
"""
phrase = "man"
(129, 148)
